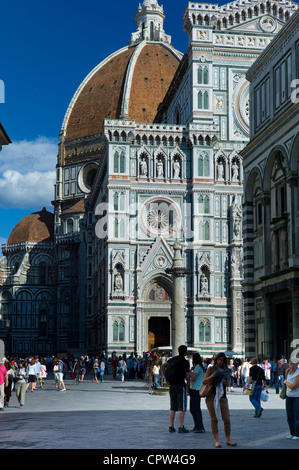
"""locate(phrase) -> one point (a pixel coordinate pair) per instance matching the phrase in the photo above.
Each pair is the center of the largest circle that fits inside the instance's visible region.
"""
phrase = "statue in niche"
(160, 169)
(118, 282)
(235, 170)
(204, 284)
(220, 169)
(143, 167)
(237, 217)
(237, 227)
(176, 169)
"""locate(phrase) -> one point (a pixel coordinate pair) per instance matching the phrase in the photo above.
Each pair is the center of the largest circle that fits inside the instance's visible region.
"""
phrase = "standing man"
(60, 376)
(3, 381)
(175, 371)
(37, 367)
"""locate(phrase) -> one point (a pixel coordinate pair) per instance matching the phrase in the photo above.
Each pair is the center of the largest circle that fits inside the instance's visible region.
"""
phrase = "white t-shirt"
(291, 378)
(31, 369)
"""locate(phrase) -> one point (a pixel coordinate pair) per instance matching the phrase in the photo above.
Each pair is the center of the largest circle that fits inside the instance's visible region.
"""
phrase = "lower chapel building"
(151, 151)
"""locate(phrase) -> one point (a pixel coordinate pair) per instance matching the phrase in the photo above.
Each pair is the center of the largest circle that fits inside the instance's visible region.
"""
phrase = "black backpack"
(171, 370)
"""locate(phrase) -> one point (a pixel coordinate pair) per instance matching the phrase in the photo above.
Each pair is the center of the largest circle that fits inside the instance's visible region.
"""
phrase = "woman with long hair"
(194, 380)
(217, 403)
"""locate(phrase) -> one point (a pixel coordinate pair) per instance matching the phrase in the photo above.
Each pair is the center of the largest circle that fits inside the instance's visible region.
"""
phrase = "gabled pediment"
(262, 24)
(157, 259)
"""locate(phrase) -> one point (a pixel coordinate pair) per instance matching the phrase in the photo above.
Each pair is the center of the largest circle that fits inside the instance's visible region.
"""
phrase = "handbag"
(206, 390)
(283, 392)
(264, 396)
(250, 388)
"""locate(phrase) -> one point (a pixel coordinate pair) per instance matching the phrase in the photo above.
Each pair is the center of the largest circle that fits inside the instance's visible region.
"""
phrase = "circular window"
(86, 177)
(160, 217)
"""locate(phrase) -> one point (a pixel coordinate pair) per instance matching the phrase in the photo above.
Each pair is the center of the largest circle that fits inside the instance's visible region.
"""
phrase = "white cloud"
(27, 174)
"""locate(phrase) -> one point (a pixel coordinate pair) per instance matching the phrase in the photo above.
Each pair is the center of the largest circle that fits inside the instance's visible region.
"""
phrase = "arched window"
(207, 332)
(204, 332)
(121, 331)
(119, 162)
(206, 205)
(116, 227)
(121, 202)
(203, 165)
(203, 100)
(206, 231)
(24, 302)
(122, 163)
(152, 31)
(42, 323)
(115, 201)
(116, 162)
(203, 75)
(42, 273)
(70, 226)
(118, 331)
(115, 331)
(206, 100)
(200, 100)
(122, 228)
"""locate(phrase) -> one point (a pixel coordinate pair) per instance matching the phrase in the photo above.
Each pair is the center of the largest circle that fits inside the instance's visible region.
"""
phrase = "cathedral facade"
(150, 153)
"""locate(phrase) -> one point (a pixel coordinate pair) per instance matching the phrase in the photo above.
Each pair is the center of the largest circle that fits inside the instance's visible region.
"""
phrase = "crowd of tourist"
(29, 374)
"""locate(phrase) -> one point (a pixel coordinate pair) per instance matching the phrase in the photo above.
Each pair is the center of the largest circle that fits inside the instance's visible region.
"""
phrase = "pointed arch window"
(116, 227)
(204, 332)
(203, 100)
(118, 331)
(206, 205)
(42, 273)
(42, 323)
(203, 75)
(70, 226)
(115, 201)
(121, 202)
(203, 165)
(122, 228)
(206, 231)
(116, 162)
(119, 162)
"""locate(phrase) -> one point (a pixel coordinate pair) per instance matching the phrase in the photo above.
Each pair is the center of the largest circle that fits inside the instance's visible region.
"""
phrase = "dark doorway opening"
(284, 329)
(158, 332)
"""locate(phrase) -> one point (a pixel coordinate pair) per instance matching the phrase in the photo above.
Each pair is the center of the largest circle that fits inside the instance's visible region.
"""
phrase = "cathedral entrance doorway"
(283, 324)
(158, 332)
(155, 313)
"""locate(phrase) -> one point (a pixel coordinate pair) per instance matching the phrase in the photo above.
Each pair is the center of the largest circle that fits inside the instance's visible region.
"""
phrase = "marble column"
(178, 321)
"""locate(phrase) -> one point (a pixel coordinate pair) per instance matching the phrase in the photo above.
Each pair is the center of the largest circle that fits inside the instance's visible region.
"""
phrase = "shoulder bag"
(206, 390)
(283, 392)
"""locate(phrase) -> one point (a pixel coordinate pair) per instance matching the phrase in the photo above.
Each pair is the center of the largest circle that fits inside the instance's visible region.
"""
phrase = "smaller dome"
(37, 227)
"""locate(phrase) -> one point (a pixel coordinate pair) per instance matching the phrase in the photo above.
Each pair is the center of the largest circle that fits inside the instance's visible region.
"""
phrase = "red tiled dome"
(137, 77)
(37, 227)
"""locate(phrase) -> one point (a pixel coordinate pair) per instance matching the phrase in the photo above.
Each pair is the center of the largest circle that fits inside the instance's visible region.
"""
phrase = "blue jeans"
(255, 398)
(292, 409)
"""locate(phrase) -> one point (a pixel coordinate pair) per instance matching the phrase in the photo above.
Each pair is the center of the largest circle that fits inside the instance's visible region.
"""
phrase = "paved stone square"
(115, 415)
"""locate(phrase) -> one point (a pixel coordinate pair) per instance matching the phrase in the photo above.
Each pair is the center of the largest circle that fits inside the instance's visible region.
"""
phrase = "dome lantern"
(150, 20)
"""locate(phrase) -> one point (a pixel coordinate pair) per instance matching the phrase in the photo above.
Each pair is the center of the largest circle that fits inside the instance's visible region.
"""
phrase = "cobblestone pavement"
(115, 415)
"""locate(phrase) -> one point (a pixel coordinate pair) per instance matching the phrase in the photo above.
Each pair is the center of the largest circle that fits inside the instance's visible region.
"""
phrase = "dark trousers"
(195, 409)
(292, 409)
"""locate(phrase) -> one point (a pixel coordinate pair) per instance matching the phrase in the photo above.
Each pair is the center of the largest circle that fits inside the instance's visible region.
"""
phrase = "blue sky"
(48, 48)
